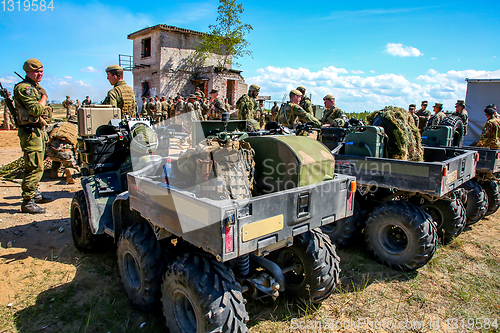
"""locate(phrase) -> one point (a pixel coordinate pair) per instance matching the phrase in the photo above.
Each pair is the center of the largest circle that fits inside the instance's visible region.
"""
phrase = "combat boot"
(69, 176)
(39, 198)
(29, 206)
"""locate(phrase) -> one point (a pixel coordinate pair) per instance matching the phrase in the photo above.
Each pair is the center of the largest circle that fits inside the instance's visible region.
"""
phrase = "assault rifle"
(10, 104)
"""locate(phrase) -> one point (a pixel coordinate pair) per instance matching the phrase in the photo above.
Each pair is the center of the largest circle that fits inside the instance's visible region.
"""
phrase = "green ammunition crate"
(365, 141)
(438, 136)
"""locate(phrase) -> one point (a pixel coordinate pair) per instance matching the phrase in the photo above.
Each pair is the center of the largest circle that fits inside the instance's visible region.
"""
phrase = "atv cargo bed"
(444, 169)
(231, 228)
(489, 159)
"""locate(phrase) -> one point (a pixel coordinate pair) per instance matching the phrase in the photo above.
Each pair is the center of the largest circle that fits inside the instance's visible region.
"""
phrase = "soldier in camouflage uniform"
(201, 93)
(423, 116)
(438, 115)
(411, 110)
(462, 113)
(193, 111)
(8, 119)
(87, 101)
(61, 148)
(165, 108)
(67, 105)
(144, 109)
(157, 110)
(216, 105)
(305, 102)
(247, 106)
(274, 111)
(30, 99)
(292, 111)
(333, 116)
(490, 136)
(121, 95)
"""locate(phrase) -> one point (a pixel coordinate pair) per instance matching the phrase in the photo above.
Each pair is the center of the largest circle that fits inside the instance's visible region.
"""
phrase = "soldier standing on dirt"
(247, 106)
(30, 99)
(62, 148)
(67, 105)
(490, 136)
(423, 116)
(292, 110)
(333, 115)
(438, 115)
(121, 95)
(462, 113)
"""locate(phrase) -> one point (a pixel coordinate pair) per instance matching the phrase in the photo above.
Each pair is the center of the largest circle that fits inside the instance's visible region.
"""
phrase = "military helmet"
(254, 87)
(302, 90)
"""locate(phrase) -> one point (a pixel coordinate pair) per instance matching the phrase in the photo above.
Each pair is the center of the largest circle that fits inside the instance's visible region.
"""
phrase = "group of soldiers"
(199, 106)
(424, 118)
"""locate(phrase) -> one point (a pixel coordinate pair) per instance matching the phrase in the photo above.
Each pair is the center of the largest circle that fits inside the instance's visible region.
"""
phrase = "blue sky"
(367, 54)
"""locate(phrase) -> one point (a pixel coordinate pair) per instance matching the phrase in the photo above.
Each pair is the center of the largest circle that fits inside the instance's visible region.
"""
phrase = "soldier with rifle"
(30, 100)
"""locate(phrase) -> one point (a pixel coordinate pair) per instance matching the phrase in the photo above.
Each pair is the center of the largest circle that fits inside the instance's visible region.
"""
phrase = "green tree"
(226, 37)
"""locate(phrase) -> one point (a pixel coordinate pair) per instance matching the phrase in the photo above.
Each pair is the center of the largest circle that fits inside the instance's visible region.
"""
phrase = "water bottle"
(167, 171)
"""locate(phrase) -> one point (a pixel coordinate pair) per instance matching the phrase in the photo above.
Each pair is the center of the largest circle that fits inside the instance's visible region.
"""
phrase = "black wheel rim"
(437, 217)
(131, 268)
(288, 258)
(184, 312)
(394, 239)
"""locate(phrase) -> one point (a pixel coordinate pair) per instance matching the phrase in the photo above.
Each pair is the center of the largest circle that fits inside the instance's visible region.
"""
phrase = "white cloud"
(63, 83)
(401, 50)
(433, 58)
(89, 69)
(68, 77)
(357, 93)
(357, 71)
(83, 84)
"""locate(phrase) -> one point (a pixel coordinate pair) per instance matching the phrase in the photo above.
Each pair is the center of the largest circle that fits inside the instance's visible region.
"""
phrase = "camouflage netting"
(405, 142)
(14, 170)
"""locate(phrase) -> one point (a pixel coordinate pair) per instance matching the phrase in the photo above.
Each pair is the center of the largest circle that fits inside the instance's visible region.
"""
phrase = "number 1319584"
(27, 5)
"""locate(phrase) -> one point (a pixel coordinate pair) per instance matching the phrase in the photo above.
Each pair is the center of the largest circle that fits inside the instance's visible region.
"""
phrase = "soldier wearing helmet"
(121, 94)
(490, 136)
(305, 102)
(30, 100)
(247, 106)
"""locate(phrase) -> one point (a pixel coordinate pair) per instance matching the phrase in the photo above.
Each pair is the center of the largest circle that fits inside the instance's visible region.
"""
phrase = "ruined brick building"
(160, 66)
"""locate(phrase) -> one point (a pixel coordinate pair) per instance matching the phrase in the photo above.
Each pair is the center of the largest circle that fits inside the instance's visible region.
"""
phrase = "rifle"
(10, 104)
(42, 121)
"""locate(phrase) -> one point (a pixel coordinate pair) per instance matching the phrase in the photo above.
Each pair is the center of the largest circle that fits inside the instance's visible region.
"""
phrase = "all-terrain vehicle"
(196, 242)
(401, 206)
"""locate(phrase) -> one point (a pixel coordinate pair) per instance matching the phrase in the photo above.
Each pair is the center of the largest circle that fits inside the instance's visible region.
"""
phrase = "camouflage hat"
(489, 111)
(254, 87)
(460, 102)
(413, 105)
(32, 65)
(301, 89)
(295, 92)
(493, 106)
(329, 97)
(192, 96)
(113, 68)
(438, 105)
(214, 91)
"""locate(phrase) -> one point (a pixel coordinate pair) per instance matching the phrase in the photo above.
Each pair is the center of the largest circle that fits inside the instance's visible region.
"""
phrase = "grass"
(83, 293)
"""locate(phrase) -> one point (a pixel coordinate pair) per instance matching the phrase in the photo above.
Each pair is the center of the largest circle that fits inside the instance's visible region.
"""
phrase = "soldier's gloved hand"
(42, 91)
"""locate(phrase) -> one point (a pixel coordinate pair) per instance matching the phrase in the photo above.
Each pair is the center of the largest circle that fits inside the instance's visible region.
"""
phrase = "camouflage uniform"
(332, 116)
(490, 136)
(290, 111)
(437, 118)
(218, 108)
(144, 109)
(306, 104)
(8, 119)
(27, 95)
(464, 115)
(165, 107)
(67, 105)
(47, 113)
(247, 106)
(274, 112)
(62, 149)
(423, 118)
(123, 96)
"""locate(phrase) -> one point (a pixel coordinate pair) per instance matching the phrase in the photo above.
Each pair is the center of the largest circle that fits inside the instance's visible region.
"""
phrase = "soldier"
(150, 107)
(438, 115)
(247, 106)
(305, 102)
(144, 109)
(121, 95)
(274, 111)
(494, 107)
(30, 99)
(411, 110)
(333, 116)
(157, 110)
(423, 116)
(77, 104)
(62, 148)
(292, 110)
(190, 107)
(165, 107)
(8, 119)
(462, 113)
(86, 101)
(67, 105)
(227, 106)
(216, 106)
(179, 106)
(490, 136)
(201, 93)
